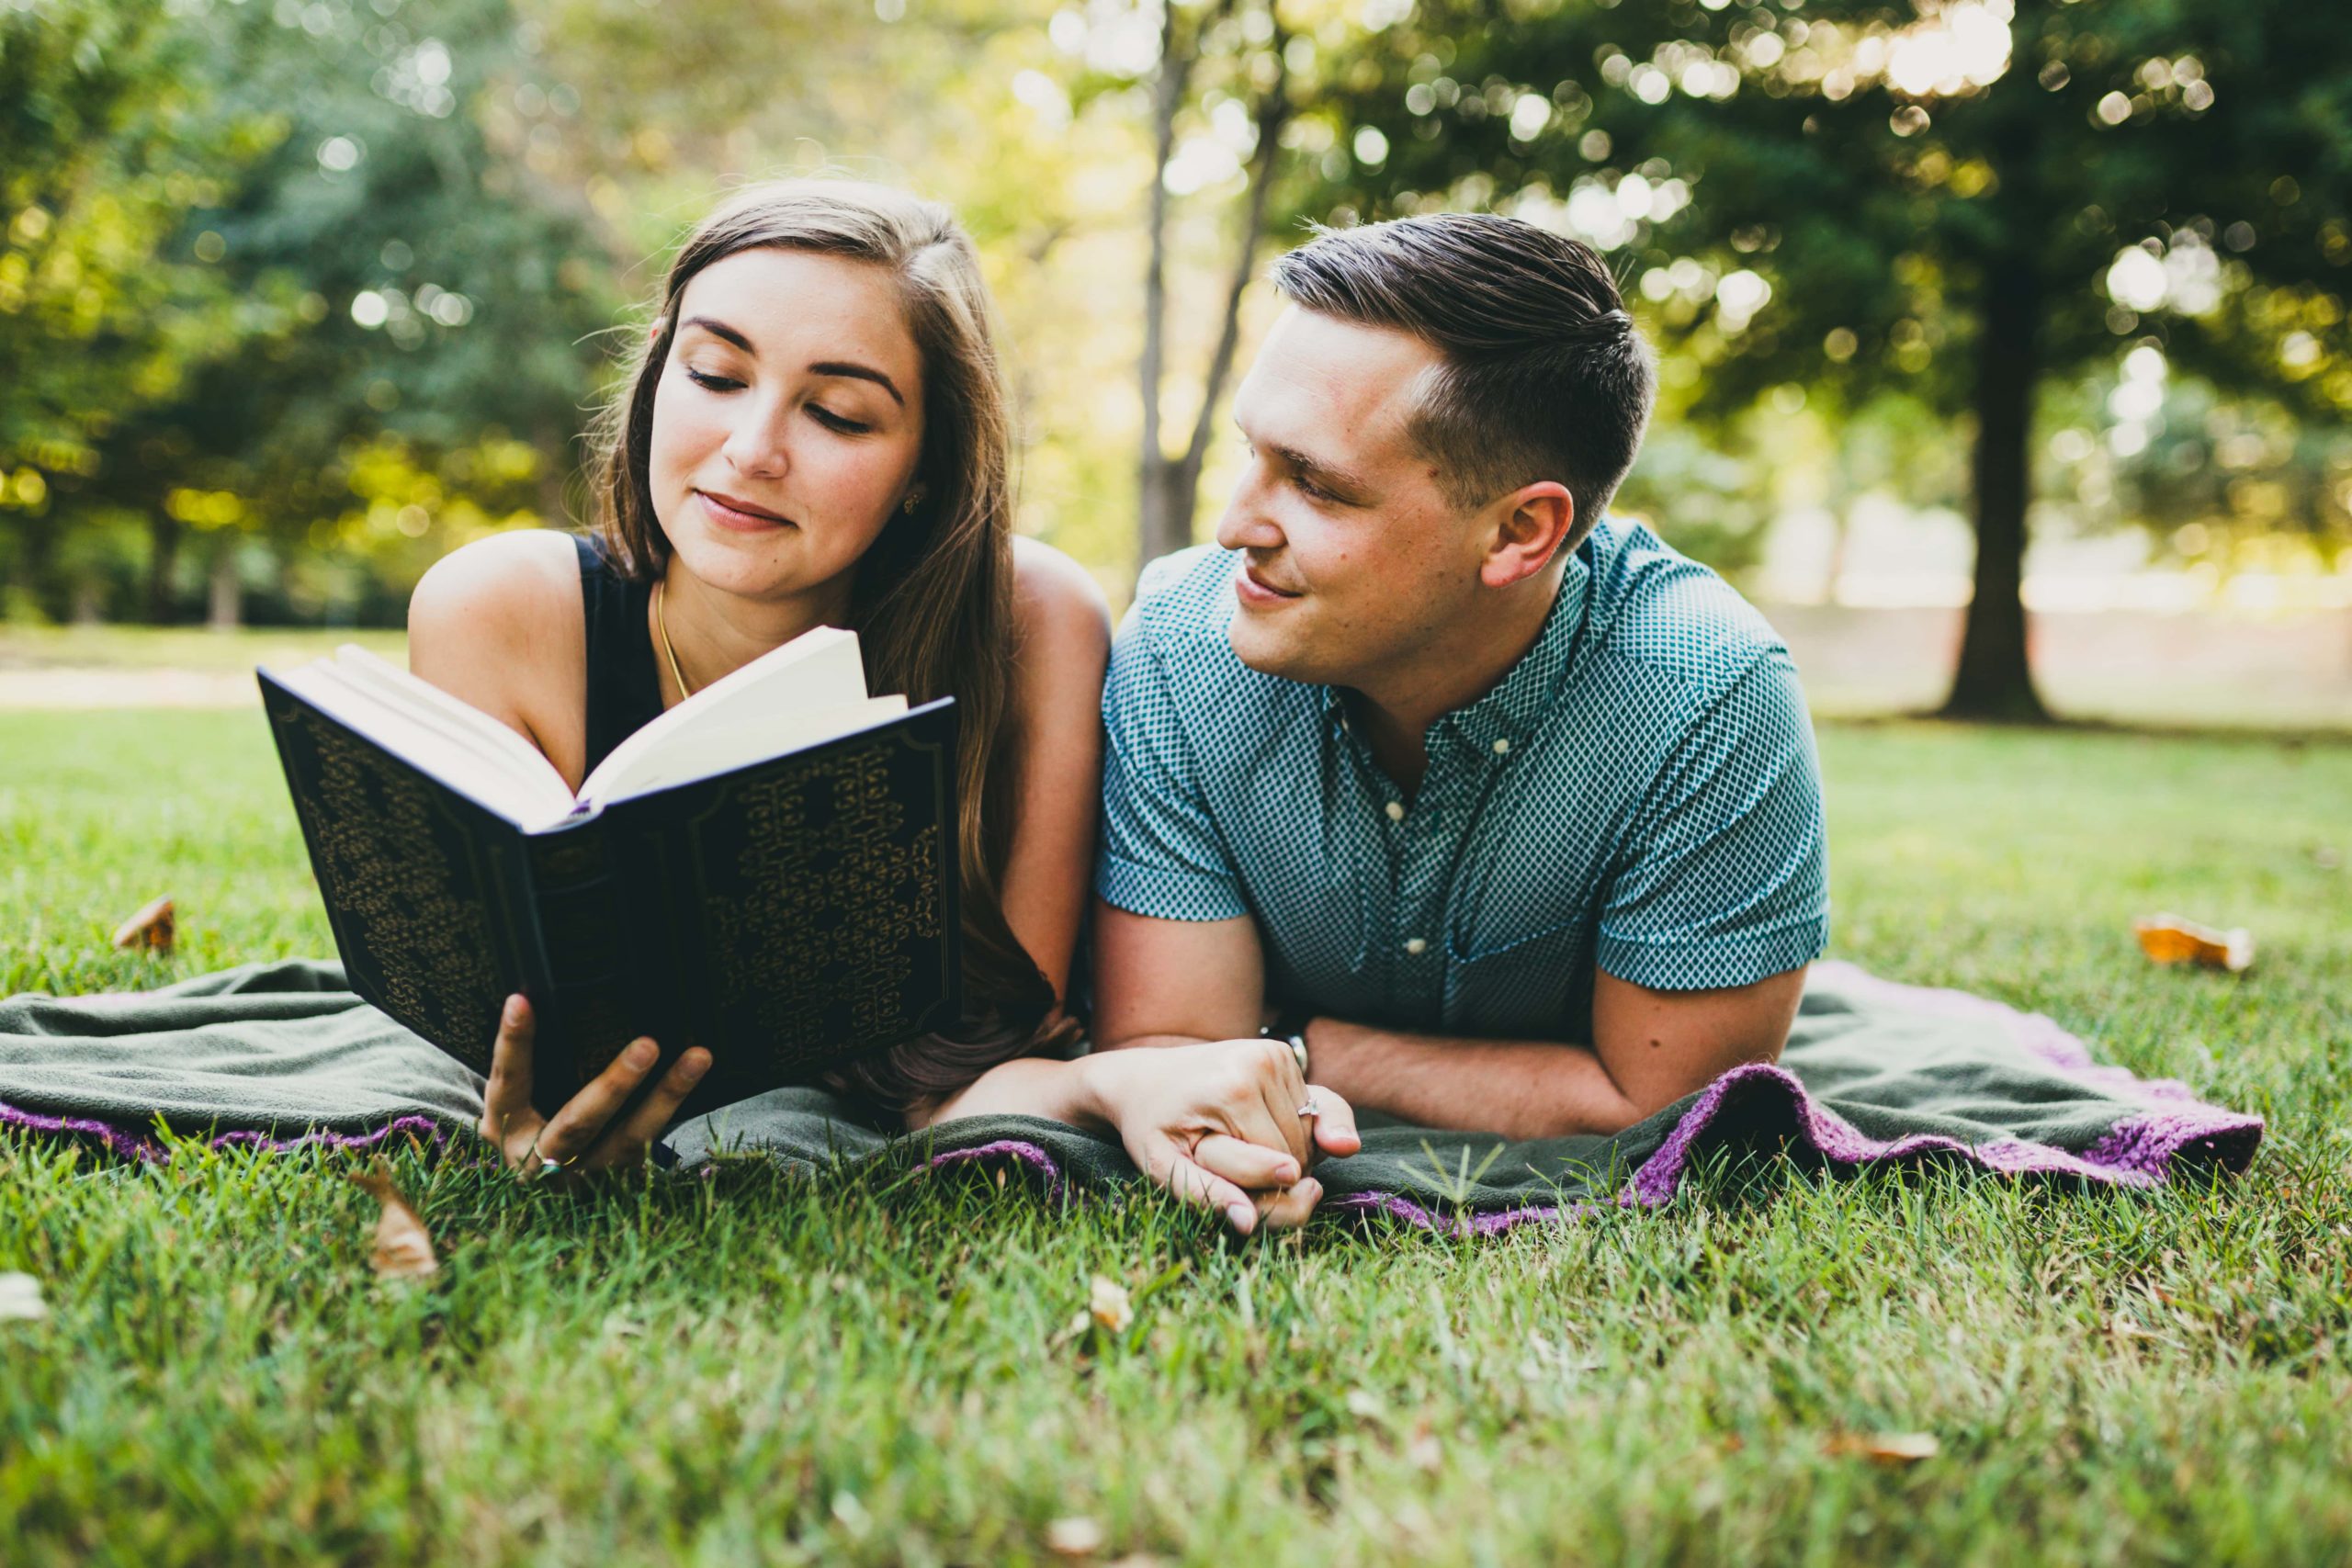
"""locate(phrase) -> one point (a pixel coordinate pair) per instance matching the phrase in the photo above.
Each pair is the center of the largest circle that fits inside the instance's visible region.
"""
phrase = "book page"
(752, 706)
(464, 755)
(705, 753)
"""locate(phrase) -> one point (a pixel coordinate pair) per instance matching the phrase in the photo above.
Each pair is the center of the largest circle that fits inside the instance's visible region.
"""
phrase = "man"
(1508, 812)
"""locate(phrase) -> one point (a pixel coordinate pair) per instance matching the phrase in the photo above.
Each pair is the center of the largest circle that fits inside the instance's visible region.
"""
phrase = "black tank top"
(624, 684)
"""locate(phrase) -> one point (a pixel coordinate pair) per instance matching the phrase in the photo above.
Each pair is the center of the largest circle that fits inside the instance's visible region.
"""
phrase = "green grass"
(758, 1369)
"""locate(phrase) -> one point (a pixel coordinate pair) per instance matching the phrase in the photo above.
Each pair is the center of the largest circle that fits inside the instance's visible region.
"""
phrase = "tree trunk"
(163, 553)
(1994, 680)
(1169, 487)
(226, 606)
(1158, 530)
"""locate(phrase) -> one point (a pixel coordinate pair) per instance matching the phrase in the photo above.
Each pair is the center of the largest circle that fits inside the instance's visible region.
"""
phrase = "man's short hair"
(1544, 377)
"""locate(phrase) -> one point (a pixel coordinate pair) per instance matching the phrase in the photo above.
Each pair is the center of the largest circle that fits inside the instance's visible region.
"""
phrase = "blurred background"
(2004, 342)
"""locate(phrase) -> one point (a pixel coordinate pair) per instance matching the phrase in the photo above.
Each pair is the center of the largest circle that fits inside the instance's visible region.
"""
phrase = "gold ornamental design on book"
(828, 889)
(383, 867)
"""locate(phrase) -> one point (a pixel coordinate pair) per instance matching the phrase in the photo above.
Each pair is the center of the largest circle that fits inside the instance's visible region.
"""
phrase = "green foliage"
(786, 1367)
(1877, 169)
(344, 192)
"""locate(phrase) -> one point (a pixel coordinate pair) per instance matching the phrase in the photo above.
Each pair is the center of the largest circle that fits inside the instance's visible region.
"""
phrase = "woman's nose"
(760, 446)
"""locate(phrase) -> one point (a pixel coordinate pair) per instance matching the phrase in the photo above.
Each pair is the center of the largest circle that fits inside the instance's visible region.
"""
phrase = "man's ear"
(1530, 523)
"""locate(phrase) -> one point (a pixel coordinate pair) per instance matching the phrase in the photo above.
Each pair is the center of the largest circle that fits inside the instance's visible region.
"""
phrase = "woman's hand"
(1218, 1123)
(584, 1135)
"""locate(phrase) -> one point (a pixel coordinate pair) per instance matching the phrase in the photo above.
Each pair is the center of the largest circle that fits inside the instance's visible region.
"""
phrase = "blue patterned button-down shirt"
(1638, 792)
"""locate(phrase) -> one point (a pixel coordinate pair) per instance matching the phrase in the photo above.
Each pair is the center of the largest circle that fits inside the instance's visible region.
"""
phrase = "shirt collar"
(1514, 708)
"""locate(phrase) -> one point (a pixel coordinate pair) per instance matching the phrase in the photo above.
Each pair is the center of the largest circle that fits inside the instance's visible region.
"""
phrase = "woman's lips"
(741, 516)
(1255, 590)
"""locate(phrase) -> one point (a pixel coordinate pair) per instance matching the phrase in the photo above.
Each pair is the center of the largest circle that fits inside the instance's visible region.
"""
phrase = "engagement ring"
(1309, 1109)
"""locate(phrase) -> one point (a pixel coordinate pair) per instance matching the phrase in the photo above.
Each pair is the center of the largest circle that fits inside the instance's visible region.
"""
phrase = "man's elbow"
(1640, 1101)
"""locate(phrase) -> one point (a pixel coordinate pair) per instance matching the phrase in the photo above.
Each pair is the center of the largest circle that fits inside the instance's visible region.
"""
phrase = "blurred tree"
(1242, 49)
(254, 251)
(106, 136)
(1954, 201)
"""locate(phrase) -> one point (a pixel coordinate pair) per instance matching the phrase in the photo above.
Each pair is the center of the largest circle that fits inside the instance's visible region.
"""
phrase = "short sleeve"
(1726, 880)
(1161, 853)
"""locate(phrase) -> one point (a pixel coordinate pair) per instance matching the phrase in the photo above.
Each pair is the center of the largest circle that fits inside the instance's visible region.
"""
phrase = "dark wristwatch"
(1290, 1028)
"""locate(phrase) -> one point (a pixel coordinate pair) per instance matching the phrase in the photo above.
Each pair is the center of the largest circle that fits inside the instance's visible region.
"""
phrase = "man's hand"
(584, 1135)
(1218, 1123)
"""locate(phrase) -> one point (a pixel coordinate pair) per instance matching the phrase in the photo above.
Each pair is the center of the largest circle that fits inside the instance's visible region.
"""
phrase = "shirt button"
(1502, 746)
(1416, 946)
(1395, 809)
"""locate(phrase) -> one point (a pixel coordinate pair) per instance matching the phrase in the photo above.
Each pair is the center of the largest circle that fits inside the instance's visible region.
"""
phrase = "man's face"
(1353, 562)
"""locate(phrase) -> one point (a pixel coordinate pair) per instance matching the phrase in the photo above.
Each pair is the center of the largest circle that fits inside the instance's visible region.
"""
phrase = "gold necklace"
(662, 624)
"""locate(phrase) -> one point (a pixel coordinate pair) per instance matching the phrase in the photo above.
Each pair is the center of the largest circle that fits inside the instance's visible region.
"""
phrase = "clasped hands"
(1231, 1125)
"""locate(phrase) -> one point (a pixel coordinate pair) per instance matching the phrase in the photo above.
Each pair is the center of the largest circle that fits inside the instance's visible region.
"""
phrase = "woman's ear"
(653, 334)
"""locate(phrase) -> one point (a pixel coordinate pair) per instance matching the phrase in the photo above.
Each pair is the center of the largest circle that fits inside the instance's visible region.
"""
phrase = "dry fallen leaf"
(152, 927)
(1885, 1447)
(1422, 1451)
(403, 1247)
(1074, 1538)
(2168, 939)
(20, 1299)
(1107, 1300)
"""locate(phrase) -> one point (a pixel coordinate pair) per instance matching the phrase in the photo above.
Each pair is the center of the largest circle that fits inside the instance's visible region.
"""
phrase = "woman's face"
(787, 420)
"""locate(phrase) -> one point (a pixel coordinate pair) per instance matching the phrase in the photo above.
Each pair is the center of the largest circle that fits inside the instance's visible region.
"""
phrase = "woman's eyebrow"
(858, 373)
(721, 330)
(823, 368)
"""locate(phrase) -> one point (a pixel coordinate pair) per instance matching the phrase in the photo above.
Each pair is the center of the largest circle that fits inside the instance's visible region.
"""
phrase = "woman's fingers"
(506, 1098)
(1291, 1206)
(627, 1140)
(1266, 1112)
(1335, 1123)
(1246, 1165)
(573, 1130)
(1169, 1165)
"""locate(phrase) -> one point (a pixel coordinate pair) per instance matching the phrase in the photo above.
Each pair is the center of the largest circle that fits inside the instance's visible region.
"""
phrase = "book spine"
(580, 953)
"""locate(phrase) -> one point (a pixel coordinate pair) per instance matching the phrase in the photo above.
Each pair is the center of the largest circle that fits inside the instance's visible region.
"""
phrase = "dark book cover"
(788, 915)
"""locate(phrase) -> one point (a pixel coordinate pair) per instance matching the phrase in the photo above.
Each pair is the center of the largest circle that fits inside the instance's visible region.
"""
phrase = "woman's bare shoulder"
(1058, 610)
(498, 624)
(502, 587)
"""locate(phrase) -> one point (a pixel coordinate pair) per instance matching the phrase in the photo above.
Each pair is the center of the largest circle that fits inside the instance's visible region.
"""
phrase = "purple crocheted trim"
(118, 1141)
(1027, 1153)
(2153, 1142)
(127, 1144)
(1493, 1223)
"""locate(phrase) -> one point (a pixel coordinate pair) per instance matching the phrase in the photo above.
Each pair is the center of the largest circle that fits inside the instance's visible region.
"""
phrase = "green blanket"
(1874, 1072)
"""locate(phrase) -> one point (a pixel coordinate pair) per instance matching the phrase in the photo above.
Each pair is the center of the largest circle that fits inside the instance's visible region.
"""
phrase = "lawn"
(757, 1368)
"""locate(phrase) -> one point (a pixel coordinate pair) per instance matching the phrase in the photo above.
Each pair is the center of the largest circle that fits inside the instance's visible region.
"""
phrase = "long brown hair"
(932, 600)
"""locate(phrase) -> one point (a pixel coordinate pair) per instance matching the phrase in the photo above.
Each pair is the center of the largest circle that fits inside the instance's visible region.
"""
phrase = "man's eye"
(833, 421)
(1309, 488)
(711, 383)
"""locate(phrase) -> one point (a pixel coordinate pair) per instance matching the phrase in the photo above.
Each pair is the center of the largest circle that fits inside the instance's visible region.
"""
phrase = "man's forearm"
(1519, 1088)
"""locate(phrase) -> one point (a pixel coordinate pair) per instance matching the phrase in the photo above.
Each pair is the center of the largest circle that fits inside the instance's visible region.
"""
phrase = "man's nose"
(1246, 524)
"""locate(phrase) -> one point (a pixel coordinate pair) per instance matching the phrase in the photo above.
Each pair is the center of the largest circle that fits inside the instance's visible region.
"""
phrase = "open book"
(768, 869)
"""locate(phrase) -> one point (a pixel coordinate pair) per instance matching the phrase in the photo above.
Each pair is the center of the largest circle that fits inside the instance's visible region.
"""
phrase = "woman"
(815, 433)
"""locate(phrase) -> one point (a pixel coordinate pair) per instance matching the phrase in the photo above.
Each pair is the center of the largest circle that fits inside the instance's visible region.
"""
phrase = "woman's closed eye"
(834, 422)
(840, 424)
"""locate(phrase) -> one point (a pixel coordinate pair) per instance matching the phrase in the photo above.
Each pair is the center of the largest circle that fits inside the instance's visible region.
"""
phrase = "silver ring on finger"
(1309, 1111)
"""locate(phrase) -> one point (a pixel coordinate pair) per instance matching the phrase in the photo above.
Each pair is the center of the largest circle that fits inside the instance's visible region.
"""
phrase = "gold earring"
(915, 499)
